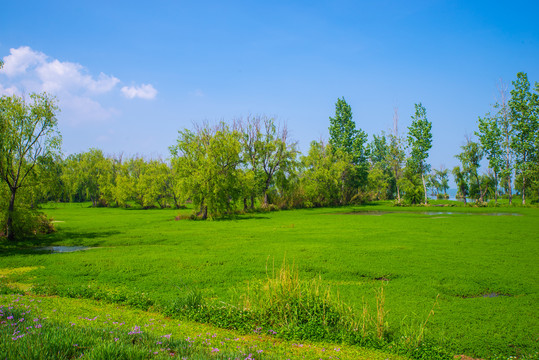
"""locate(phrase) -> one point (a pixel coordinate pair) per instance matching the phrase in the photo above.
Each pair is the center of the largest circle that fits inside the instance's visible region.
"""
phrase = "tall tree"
(344, 137)
(396, 153)
(28, 136)
(525, 129)
(506, 128)
(420, 142)
(490, 136)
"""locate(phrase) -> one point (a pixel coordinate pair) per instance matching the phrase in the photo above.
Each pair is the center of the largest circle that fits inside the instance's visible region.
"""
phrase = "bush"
(26, 223)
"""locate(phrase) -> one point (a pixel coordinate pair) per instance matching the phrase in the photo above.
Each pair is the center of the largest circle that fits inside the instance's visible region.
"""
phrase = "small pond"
(62, 249)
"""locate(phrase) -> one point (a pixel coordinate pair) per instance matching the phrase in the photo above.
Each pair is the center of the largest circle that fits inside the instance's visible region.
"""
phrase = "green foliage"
(350, 141)
(524, 107)
(29, 140)
(470, 158)
(267, 154)
(324, 175)
(26, 223)
(462, 184)
(490, 138)
(207, 163)
(420, 142)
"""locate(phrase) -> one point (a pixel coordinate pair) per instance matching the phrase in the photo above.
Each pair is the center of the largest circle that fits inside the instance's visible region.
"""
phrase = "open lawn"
(478, 266)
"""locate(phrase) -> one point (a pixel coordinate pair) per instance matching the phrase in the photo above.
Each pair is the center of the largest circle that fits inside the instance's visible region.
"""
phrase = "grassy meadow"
(464, 279)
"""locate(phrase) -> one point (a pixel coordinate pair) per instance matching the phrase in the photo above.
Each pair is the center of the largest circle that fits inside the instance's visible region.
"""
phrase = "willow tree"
(267, 150)
(207, 167)
(28, 137)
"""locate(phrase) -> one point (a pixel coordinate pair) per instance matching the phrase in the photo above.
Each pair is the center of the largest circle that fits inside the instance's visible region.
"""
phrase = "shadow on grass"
(64, 238)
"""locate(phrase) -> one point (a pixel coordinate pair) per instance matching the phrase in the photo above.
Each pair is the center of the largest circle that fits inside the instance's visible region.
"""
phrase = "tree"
(420, 142)
(322, 179)
(470, 158)
(489, 136)
(524, 115)
(346, 138)
(28, 136)
(207, 163)
(267, 150)
(442, 180)
(396, 153)
(503, 117)
(462, 185)
(381, 182)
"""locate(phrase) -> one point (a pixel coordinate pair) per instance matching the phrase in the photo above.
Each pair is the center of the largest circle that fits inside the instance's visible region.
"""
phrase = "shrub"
(26, 223)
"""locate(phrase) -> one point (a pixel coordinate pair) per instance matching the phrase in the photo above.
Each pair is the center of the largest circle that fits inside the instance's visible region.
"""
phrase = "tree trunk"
(245, 204)
(266, 192)
(496, 189)
(524, 190)
(424, 187)
(252, 202)
(10, 211)
(479, 187)
(510, 190)
(204, 213)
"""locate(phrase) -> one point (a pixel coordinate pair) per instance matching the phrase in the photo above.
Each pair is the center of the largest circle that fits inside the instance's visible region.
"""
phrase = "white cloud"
(21, 59)
(144, 91)
(27, 70)
(59, 76)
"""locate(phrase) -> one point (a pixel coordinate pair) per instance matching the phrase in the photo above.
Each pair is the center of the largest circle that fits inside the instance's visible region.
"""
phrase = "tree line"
(253, 163)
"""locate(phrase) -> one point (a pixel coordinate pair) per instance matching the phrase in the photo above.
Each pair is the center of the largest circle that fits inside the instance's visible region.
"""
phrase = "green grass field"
(480, 266)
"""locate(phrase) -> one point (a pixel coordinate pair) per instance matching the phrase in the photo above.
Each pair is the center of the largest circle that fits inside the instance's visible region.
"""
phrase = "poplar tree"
(420, 142)
(490, 138)
(344, 137)
(524, 115)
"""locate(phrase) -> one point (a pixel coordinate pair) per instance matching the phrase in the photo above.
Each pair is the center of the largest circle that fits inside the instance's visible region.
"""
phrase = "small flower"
(214, 349)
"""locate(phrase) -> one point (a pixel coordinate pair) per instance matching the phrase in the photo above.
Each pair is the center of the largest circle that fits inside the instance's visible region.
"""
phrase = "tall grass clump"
(288, 307)
(308, 309)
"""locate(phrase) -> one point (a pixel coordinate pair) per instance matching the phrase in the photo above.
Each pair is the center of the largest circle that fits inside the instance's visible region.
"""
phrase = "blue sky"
(129, 74)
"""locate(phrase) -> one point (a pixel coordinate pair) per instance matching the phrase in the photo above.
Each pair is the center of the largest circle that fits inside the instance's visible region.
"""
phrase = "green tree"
(321, 179)
(503, 117)
(396, 154)
(420, 142)
(208, 162)
(381, 182)
(470, 158)
(462, 184)
(346, 138)
(524, 114)
(442, 180)
(490, 137)
(267, 150)
(28, 136)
